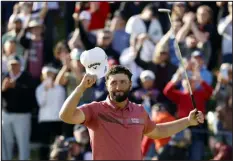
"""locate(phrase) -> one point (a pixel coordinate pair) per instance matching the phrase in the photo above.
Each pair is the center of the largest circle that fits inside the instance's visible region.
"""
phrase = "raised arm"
(200, 36)
(69, 112)
(164, 130)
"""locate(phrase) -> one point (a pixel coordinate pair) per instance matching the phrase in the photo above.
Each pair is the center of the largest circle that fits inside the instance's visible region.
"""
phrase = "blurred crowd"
(39, 72)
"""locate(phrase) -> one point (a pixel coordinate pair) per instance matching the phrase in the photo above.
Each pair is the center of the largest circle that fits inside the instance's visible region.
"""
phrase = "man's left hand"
(195, 117)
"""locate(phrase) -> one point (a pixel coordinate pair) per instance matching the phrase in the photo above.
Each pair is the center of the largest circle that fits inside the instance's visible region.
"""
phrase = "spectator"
(222, 152)
(18, 94)
(14, 34)
(82, 136)
(225, 30)
(222, 10)
(9, 51)
(103, 40)
(147, 95)
(24, 11)
(223, 88)
(70, 76)
(99, 13)
(33, 42)
(205, 30)
(61, 52)
(201, 66)
(59, 150)
(184, 106)
(159, 115)
(50, 98)
(50, 21)
(188, 39)
(178, 9)
(147, 23)
(161, 66)
(192, 6)
(85, 18)
(169, 38)
(223, 124)
(132, 8)
(120, 37)
(127, 59)
(177, 147)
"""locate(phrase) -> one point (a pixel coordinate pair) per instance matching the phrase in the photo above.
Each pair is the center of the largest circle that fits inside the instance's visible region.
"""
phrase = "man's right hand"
(87, 81)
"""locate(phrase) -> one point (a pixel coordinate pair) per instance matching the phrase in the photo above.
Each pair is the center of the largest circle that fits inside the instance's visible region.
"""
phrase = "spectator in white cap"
(85, 18)
(147, 95)
(9, 50)
(70, 76)
(50, 97)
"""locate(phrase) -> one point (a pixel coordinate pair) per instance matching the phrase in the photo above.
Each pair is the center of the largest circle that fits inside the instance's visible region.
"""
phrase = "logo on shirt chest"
(135, 120)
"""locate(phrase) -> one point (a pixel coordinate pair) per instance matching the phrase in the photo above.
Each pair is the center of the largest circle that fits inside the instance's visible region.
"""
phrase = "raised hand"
(88, 81)
(195, 117)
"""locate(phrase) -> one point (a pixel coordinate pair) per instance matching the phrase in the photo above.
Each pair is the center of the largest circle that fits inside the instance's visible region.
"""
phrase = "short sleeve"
(149, 124)
(89, 111)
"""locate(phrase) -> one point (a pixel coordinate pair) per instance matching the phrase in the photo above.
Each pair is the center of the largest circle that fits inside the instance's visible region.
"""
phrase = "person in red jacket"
(184, 105)
(182, 98)
(99, 13)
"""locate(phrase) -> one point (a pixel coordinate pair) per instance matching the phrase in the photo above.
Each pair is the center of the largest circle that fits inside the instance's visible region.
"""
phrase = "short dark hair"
(151, 7)
(118, 69)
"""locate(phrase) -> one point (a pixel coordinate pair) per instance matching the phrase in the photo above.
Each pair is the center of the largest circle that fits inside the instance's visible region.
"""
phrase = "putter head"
(164, 10)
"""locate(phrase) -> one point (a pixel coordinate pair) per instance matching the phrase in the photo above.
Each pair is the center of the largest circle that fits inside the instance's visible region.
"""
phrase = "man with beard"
(116, 125)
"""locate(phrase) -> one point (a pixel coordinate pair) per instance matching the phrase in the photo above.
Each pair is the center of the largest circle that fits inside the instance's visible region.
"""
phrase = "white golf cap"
(95, 62)
(85, 15)
(147, 75)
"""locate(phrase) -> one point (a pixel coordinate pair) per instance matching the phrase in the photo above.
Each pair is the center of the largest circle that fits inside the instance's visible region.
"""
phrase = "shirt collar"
(111, 104)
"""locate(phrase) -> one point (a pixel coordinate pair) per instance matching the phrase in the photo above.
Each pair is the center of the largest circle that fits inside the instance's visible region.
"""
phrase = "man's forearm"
(70, 104)
(164, 130)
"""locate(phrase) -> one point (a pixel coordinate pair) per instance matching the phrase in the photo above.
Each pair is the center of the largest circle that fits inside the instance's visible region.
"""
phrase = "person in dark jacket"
(18, 95)
(103, 40)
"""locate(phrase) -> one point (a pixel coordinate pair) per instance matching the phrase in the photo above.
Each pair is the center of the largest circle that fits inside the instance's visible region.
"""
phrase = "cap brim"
(13, 62)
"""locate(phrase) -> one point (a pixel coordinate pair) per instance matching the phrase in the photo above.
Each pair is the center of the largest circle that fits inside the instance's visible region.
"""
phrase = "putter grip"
(194, 103)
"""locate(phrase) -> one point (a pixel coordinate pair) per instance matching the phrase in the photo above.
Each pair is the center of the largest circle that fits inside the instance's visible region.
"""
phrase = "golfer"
(116, 125)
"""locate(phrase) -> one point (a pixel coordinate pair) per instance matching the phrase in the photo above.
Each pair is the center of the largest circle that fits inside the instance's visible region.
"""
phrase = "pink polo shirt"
(116, 134)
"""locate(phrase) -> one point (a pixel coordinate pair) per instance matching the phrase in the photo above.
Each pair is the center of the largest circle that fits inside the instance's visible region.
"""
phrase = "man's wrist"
(188, 123)
(80, 88)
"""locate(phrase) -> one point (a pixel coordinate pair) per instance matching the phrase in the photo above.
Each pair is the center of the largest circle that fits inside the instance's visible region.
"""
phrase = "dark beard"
(118, 98)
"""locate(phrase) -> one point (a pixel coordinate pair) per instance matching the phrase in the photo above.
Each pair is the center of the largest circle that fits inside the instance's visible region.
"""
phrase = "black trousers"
(48, 132)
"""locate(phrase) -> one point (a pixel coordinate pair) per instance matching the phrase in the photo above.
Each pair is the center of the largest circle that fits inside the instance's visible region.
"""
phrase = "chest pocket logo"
(135, 121)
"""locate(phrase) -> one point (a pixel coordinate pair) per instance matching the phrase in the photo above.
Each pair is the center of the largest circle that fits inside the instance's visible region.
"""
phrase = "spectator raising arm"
(84, 38)
(185, 29)
(170, 91)
(200, 36)
(223, 25)
(43, 11)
